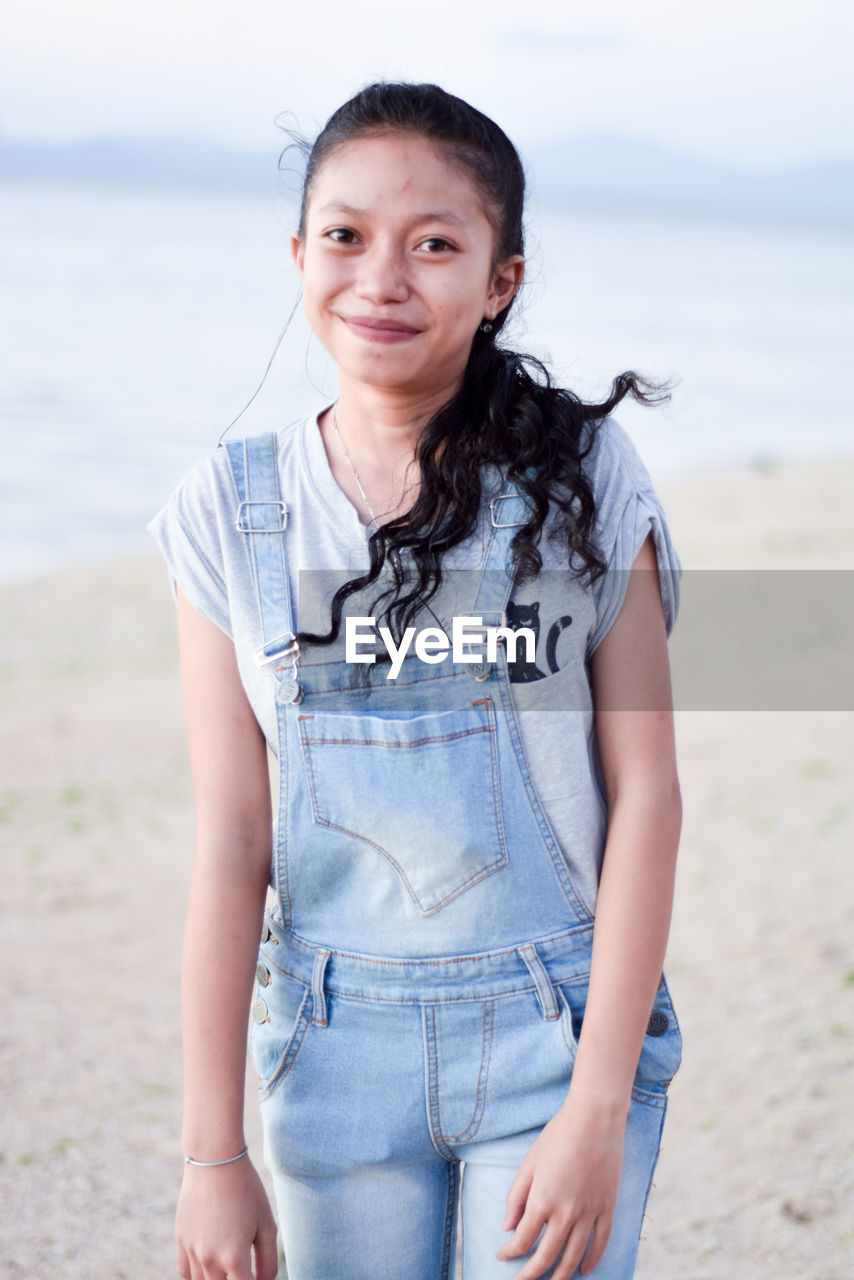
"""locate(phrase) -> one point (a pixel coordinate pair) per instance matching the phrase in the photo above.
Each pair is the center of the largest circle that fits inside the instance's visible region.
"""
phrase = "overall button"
(262, 973)
(288, 691)
(265, 932)
(658, 1023)
(259, 1011)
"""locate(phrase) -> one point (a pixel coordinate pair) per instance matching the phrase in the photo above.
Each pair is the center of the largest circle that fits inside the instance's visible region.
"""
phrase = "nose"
(382, 274)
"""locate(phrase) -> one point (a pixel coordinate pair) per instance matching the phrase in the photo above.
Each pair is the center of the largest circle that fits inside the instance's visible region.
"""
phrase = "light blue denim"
(422, 979)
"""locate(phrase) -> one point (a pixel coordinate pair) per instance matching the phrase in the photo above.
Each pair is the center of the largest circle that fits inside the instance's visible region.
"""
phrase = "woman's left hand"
(568, 1183)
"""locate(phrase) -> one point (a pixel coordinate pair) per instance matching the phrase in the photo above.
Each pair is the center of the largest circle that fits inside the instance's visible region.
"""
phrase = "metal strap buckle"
(246, 522)
(500, 616)
(479, 634)
(504, 524)
(284, 648)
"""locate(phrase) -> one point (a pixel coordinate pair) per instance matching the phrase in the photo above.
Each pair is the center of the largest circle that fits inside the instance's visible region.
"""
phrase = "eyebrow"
(439, 215)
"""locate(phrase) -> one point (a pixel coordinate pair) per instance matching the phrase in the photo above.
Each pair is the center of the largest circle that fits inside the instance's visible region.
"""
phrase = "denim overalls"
(422, 978)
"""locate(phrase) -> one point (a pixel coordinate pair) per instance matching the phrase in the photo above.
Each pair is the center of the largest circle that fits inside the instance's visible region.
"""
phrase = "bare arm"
(222, 1211)
(634, 731)
(571, 1174)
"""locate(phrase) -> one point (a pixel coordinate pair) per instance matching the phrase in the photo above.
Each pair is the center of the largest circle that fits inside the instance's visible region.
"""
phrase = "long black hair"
(506, 411)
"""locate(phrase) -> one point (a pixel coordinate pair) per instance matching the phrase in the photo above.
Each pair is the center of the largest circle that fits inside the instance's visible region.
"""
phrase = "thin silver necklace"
(346, 453)
(395, 554)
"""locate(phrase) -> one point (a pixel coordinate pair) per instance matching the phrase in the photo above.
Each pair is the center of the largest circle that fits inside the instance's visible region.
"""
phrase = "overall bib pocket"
(423, 792)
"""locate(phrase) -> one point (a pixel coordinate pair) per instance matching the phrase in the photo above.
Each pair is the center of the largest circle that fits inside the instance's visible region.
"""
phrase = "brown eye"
(340, 235)
(435, 244)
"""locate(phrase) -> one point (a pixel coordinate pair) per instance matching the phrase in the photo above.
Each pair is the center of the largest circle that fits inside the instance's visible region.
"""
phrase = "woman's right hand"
(223, 1215)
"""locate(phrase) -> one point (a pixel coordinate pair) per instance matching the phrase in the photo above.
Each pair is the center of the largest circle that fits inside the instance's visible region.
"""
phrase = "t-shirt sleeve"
(628, 509)
(188, 532)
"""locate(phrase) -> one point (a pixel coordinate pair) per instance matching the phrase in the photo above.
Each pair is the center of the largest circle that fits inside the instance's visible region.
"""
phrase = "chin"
(386, 375)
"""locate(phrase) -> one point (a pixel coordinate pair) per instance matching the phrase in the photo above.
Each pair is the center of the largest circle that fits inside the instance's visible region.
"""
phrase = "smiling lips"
(379, 330)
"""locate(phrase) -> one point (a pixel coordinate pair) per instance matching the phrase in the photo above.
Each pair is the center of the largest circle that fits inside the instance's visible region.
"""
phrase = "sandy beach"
(756, 1176)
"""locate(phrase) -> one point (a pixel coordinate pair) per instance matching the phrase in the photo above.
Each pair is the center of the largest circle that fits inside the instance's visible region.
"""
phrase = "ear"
(298, 252)
(506, 279)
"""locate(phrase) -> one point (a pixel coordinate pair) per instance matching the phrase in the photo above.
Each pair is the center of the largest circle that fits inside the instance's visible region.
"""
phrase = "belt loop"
(318, 995)
(545, 991)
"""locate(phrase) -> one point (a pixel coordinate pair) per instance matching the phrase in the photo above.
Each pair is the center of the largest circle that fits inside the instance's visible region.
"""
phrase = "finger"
(601, 1234)
(238, 1269)
(241, 1270)
(207, 1267)
(523, 1238)
(548, 1249)
(197, 1271)
(266, 1253)
(573, 1251)
(517, 1198)
(216, 1272)
(231, 1266)
(182, 1263)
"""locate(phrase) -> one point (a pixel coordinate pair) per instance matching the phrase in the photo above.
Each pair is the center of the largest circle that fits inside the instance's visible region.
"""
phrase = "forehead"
(396, 171)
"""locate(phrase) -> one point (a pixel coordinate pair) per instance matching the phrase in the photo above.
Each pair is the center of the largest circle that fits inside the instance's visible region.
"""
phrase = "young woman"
(473, 851)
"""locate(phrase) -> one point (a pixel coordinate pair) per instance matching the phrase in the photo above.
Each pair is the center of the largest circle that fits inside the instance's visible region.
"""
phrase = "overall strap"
(507, 512)
(262, 517)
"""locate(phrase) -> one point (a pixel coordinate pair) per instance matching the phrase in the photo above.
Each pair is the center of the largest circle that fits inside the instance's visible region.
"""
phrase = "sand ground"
(756, 1176)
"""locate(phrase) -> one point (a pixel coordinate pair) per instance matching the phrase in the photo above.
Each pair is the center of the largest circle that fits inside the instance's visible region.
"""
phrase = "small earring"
(486, 327)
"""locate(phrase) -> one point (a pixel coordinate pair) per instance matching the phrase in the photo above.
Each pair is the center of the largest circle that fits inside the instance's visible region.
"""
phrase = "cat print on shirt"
(528, 615)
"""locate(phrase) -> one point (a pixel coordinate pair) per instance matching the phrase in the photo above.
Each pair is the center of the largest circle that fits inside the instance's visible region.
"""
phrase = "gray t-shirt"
(206, 557)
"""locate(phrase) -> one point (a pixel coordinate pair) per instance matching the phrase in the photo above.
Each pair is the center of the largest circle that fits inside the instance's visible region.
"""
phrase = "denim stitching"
(428, 1016)
(487, 869)
(442, 962)
(356, 688)
(545, 986)
(397, 746)
(481, 874)
(289, 1053)
(487, 1033)
(496, 774)
(649, 1099)
(566, 1024)
(552, 847)
(318, 987)
(281, 860)
(359, 997)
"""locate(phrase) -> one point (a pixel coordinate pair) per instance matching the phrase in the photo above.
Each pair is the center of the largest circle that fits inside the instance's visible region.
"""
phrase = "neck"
(373, 462)
(386, 424)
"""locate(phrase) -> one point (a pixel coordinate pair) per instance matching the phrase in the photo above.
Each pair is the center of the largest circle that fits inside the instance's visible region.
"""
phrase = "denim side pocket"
(279, 1016)
(661, 1052)
(573, 998)
(567, 1024)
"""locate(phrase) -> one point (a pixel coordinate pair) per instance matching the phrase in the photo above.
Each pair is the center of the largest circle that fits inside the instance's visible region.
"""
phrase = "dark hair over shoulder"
(506, 412)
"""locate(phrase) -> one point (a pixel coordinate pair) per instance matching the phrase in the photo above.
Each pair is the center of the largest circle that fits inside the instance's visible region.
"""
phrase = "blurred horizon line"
(584, 174)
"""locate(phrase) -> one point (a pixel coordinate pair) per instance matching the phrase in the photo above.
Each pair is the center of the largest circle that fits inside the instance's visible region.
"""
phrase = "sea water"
(136, 324)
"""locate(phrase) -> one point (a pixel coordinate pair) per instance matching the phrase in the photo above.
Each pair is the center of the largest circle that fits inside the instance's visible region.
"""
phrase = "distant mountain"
(149, 162)
(607, 173)
(617, 173)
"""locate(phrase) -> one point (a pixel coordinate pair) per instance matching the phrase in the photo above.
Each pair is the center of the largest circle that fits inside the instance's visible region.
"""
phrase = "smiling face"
(397, 265)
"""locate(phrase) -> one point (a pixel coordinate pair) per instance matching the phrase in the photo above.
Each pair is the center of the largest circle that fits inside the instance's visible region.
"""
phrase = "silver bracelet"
(210, 1164)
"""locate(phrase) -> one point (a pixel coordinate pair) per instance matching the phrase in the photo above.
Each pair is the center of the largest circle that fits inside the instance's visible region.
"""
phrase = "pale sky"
(758, 82)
